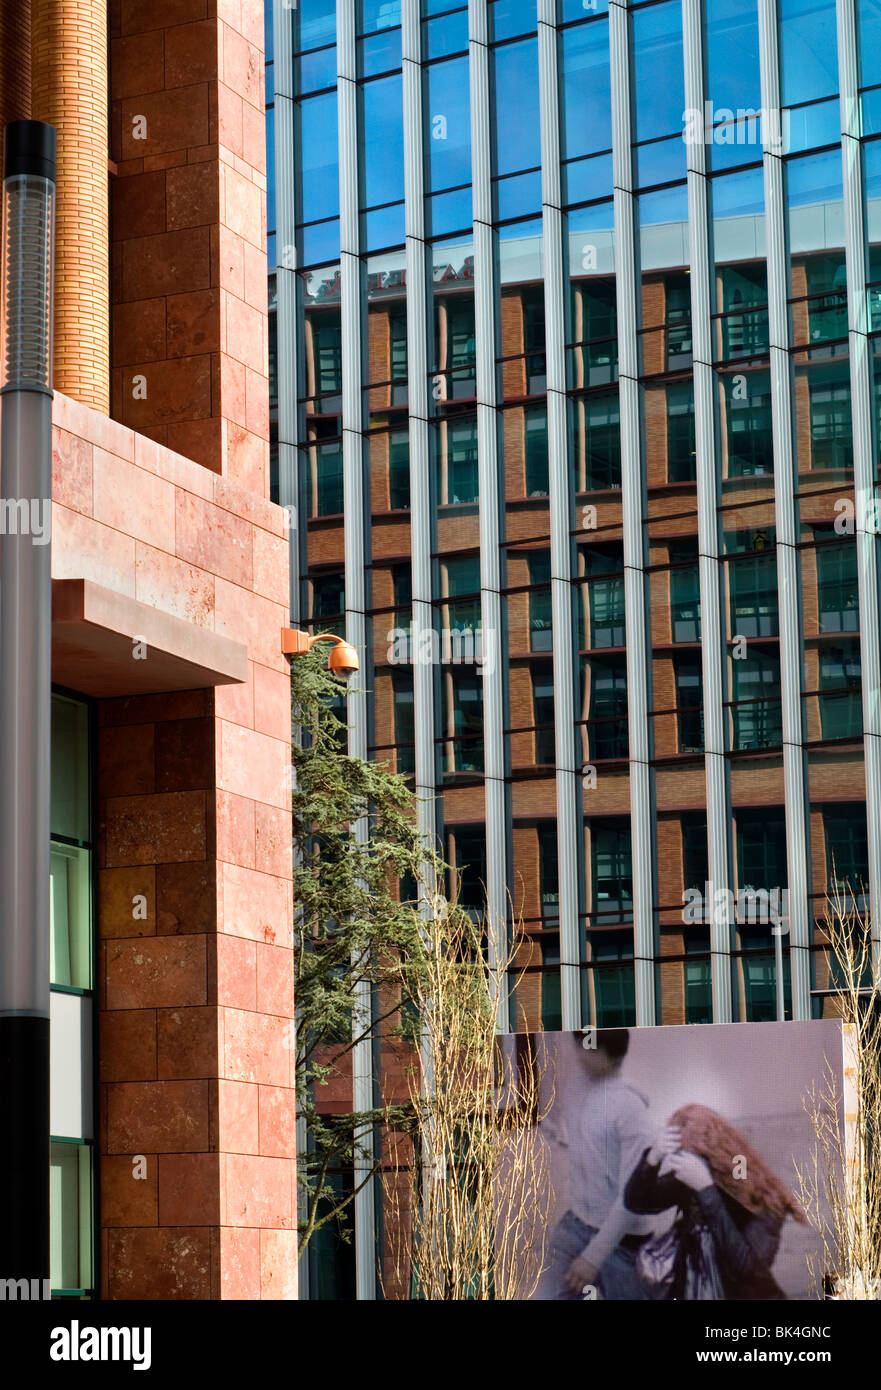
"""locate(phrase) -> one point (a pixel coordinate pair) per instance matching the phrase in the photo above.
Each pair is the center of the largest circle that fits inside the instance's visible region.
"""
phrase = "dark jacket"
(745, 1245)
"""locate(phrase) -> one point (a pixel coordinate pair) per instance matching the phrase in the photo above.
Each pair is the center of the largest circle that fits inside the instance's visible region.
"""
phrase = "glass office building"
(575, 391)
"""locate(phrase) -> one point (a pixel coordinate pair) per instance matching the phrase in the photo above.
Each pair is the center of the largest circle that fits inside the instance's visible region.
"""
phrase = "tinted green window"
(70, 1221)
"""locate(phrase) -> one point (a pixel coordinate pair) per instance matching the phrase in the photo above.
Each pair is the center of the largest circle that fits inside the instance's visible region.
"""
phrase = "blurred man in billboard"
(593, 1246)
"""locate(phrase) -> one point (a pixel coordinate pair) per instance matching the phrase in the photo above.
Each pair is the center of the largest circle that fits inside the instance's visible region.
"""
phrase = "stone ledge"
(94, 632)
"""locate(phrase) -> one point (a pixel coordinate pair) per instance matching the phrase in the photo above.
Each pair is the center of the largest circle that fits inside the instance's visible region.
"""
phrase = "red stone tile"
(139, 205)
(187, 1043)
(278, 1264)
(255, 289)
(258, 403)
(272, 702)
(238, 1118)
(127, 1200)
(72, 471)
(229, 118)
(174, 262)
(235, 703)
(231, 494)
(257, 1048)
(256, 906)
(230, 12)
(185, 754)
(252, 764)
(138, 332)
(275, 980)
(244, 331)
(96, 428)
(165, 463)
(213, 539)
(236, 958)
(239, 1263)
(175, 120)
(173, 586)
(127, 1045)
(235, 829)
(252, 619)
(136, 65)
(251, 23)
(176, 389)
(254, 136)
(241, 66)
(192, 196)
(247, 458)
(146, 709)
(255, 1191)
(273, 840)
(200, 440)
(278, 1122)
(84, 549)
(127, 901)
(186, 896)
(193, 323)
(126, 761)
(233, 391)
(189, 1189)
(140, 16)
(156, 972)
(157, 1117)
(133, 501)
(273, 698)
(166, 828)
(167, 1263)
(191, 53)
(231, 266)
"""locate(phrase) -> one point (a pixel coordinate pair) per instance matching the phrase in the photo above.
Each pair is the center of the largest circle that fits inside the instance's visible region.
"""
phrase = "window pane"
(69, 814)
(70, 917)
(657, 47)
(447, 101)
(516, 112)
(70, 1216)
(585, 90)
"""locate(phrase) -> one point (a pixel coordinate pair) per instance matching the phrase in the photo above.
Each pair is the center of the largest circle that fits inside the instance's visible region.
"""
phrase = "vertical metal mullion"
(632, 506)
(712, 644)
(289, 370)
(485, 288)
(356, 523)
(560, 505)
(288, 363)
(863, 443)
(786, 516)
(421, 502)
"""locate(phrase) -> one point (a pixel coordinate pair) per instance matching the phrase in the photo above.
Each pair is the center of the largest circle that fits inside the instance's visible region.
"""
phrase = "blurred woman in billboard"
(731, 1211)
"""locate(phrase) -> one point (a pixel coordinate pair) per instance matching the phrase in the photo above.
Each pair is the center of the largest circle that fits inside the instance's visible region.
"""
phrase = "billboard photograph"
(674, 1159)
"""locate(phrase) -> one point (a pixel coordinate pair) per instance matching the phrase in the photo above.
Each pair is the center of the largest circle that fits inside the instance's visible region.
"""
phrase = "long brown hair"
(760, 1191)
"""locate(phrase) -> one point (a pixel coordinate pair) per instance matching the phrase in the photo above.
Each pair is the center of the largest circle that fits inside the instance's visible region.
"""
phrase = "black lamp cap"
(29, 149)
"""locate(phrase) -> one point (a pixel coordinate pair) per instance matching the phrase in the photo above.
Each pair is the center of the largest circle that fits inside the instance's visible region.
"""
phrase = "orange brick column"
(190, 339)
(15, 61)
(69, 48)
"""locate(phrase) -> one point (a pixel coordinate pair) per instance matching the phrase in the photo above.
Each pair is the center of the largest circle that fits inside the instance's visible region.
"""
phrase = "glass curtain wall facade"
(575, 396)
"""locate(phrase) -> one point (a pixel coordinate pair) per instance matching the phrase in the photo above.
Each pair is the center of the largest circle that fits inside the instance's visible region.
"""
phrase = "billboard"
(673, 1158)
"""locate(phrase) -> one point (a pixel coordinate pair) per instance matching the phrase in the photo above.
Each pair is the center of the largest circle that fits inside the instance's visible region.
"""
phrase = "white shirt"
(610, 1135)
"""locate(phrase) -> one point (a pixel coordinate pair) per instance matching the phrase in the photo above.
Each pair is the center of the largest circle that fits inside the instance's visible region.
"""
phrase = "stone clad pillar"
(190, 327)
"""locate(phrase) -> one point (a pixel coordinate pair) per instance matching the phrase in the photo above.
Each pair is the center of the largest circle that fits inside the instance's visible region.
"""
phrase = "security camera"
(343, 659)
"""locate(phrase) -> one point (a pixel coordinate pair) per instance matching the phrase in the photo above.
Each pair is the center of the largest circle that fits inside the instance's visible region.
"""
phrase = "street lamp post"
(25, 693)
